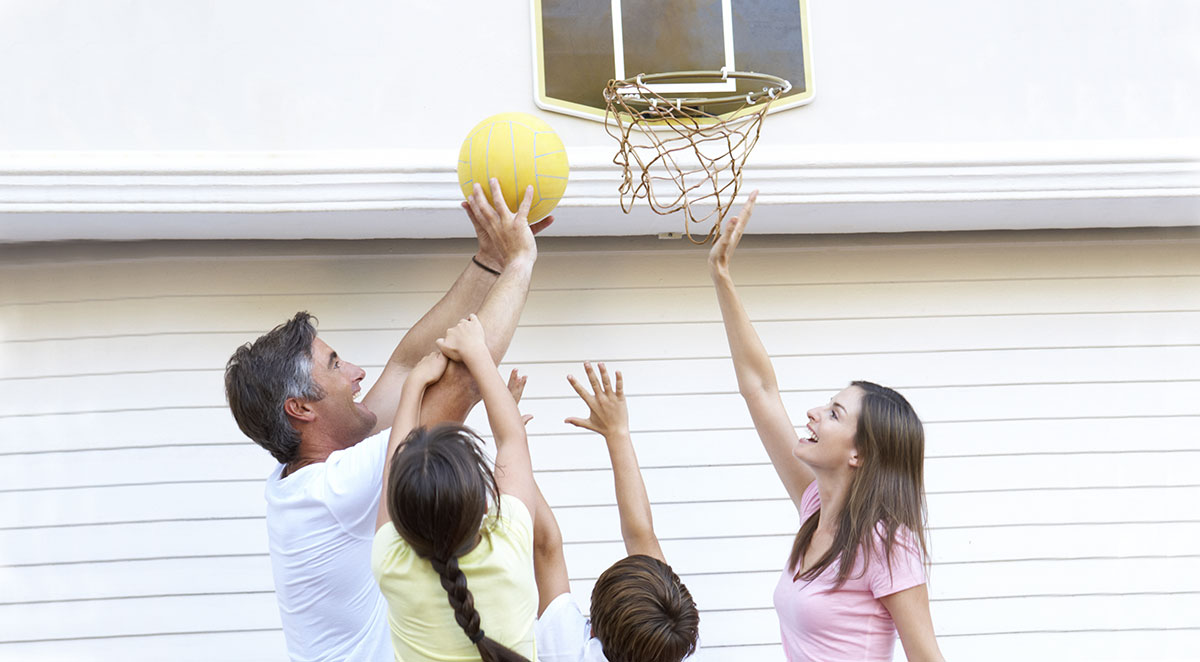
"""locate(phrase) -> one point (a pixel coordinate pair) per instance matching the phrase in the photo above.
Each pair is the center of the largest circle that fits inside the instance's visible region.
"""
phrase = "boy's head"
(641, 612)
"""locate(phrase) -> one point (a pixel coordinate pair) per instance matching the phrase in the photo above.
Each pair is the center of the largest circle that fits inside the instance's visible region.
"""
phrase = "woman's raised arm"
(755, 374)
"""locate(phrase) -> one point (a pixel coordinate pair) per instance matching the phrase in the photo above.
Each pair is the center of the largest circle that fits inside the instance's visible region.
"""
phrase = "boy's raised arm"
(609, 416)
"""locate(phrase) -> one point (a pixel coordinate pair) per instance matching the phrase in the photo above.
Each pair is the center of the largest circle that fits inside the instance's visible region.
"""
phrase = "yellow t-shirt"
(499, 574)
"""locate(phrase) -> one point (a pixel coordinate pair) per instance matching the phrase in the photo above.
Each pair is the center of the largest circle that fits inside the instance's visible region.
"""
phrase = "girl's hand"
(516, 386)
(722, 251)
(429, 369)
(463, 340)
(609, 414)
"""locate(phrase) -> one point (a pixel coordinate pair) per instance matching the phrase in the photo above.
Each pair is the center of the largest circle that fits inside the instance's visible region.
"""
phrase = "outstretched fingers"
(466, 205)
(501, 207)
(526, 202)
(588, 398)
(597, 388)
(605, 381)
(581, 423)
(516, 385)
(722, 250)
(737, 224)
(541, 225)
(483, 213)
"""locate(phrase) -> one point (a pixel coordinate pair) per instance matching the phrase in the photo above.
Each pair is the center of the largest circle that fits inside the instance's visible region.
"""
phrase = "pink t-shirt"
(819, 624)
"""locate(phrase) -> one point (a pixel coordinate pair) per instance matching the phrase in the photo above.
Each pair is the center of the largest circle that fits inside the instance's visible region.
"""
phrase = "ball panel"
(466, 178)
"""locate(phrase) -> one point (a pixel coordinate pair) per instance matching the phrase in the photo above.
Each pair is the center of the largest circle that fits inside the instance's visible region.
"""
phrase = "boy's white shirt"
(564, 634)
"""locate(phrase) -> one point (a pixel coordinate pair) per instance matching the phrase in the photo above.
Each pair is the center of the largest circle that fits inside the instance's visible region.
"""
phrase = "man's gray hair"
(261, 376)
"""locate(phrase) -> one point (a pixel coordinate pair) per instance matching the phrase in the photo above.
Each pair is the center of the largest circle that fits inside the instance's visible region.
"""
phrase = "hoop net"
(677, 153)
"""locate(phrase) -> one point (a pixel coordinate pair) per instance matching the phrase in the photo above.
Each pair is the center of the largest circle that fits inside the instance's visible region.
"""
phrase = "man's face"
(339, 411)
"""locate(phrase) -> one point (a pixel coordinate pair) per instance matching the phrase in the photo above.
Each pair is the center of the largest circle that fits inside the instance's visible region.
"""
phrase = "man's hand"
(509, 237)
(488, 254)
(609, 415)
(464, 340)
(722, 250)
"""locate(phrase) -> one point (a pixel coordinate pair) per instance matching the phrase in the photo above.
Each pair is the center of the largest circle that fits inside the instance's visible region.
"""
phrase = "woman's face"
(831, 429)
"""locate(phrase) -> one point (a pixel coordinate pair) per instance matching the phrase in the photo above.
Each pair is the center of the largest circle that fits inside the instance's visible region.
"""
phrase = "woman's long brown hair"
(438, 493)
(887, 489)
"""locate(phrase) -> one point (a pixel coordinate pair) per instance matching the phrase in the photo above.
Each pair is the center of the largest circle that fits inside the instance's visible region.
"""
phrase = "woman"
(856, 574)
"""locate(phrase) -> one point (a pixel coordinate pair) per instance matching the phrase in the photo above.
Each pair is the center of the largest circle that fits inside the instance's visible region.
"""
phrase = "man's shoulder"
(344, 487)
(364, 458)
(371, 449)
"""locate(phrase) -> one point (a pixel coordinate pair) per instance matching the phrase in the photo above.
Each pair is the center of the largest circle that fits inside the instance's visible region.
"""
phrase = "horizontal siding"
(1058, 374)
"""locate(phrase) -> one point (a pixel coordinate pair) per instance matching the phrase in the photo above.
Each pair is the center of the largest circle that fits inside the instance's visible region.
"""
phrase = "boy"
(640, 610)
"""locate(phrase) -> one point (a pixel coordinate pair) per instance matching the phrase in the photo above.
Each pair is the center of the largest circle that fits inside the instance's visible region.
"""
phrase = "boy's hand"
(463, 339)
(609, 414)
(429, 369)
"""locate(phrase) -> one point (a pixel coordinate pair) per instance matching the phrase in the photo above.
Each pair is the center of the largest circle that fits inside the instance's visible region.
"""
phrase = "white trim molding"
(50, 196)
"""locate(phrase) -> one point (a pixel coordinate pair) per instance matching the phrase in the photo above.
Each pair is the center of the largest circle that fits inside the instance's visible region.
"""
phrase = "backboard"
(581, 44)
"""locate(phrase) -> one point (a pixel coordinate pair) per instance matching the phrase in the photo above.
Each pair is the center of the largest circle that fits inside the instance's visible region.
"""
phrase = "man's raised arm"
(502, 241)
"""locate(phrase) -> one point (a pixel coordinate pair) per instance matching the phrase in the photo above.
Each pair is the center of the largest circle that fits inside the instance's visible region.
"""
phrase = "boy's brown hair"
(642, 612)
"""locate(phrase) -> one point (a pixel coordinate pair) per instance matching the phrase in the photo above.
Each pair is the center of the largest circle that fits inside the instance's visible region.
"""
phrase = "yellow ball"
(519, 150)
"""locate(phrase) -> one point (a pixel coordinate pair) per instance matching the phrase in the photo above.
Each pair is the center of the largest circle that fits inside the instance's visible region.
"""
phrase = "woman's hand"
(722, 251)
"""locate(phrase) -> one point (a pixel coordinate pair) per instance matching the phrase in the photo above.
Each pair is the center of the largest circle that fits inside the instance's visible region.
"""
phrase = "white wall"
(1056, 372)
(300, 119)
(309, 75)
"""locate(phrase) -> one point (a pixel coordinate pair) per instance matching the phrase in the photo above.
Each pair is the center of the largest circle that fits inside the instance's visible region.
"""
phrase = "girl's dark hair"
(439, 489)
(887, 489)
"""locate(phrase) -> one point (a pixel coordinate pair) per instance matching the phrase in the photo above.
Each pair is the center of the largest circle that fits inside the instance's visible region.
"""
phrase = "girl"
(453, 553)
(856, 574)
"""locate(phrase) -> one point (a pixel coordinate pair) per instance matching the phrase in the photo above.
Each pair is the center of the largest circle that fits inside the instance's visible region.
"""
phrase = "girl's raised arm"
(465, 342)
(755, 375)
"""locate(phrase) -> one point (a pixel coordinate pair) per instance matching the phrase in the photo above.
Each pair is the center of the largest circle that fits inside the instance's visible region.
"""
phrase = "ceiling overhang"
(299, 195)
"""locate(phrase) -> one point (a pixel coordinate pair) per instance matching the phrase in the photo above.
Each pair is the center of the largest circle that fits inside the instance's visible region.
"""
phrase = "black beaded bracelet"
(484, 266)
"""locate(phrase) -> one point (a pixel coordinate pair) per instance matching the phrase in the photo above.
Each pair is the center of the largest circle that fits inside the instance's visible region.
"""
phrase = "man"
(296, 397)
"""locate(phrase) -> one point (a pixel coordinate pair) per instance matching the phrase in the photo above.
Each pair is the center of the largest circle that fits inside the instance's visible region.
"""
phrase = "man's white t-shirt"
(321, 524)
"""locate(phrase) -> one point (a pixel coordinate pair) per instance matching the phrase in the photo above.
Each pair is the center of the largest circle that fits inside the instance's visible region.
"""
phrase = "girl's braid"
(461, 600)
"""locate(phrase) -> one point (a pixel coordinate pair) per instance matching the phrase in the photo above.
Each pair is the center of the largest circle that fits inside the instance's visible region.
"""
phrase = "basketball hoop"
(696, 143)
